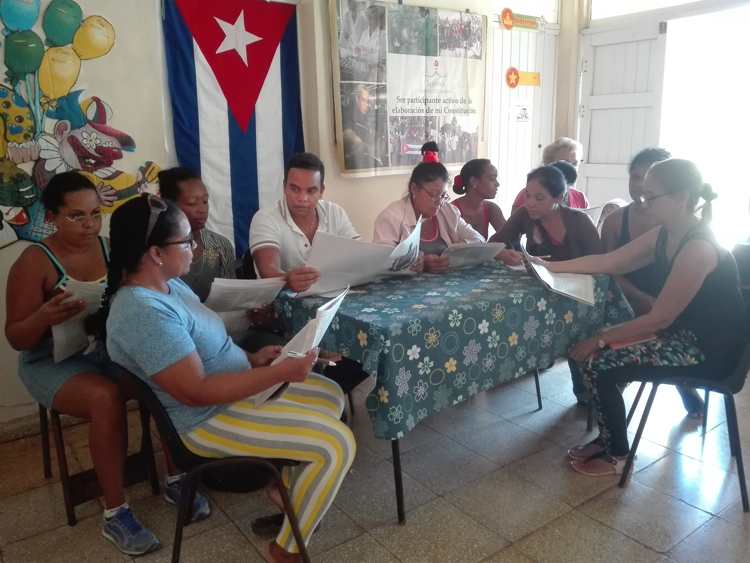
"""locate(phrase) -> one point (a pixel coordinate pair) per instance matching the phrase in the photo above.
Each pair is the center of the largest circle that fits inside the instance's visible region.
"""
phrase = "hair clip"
(430, 156)
(458, 181)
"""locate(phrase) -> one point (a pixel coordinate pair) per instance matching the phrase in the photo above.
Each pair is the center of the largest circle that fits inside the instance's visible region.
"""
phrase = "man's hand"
(302, 278)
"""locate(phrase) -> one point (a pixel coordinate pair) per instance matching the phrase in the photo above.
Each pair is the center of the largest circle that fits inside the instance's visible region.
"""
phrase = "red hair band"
(458, 182)
(430, 156)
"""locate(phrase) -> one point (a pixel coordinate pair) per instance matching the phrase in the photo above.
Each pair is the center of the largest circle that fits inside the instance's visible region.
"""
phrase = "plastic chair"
(195, 465)
(692, 377)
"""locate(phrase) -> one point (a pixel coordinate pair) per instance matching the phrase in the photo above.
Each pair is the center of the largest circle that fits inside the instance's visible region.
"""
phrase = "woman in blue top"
(158, 329)
(37, 300)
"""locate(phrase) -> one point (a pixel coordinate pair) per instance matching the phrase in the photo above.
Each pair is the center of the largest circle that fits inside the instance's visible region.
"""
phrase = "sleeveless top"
(63, 277)
(484, 228)
(716, 314)
(649, 279)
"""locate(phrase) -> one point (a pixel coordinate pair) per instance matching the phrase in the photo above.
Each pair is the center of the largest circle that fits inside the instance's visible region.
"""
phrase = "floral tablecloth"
(435, 340)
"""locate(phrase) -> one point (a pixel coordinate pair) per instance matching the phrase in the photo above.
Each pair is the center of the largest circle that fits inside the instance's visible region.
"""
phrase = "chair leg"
(631, 412)
(639, 432)
(705, 410)
(188, 484)
(398, 479)
(44, 433)
(590, 416)
(147, 450)
(62, 463)
(734, 433)
(728, 409)
(293, 522)
(351, 403)
(538, 389)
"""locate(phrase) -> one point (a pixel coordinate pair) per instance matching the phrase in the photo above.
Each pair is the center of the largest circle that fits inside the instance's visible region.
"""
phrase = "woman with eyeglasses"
(158, 329)
(696, 323)
(552, 229)
(628, 223)
(427, 198)
(78, 386)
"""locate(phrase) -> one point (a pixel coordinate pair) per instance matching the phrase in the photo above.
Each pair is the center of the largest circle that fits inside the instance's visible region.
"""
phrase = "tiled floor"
(486, 481)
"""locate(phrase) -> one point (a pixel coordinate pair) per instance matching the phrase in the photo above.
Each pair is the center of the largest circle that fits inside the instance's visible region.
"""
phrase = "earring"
(160, 264)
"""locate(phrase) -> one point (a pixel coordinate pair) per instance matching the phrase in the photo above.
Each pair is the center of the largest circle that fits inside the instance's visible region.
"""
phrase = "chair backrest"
(183, 458)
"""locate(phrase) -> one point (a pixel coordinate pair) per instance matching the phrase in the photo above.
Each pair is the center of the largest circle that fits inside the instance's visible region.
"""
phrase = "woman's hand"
(264, 356)
(330, 356)
(296, 370)
(584, 349)
(510, 257)
(418, 266)
(435, 264)
(302, 278)
(61, 308)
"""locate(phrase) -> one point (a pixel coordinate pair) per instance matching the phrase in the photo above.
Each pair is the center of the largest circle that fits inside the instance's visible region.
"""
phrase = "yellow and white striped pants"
(304, 425)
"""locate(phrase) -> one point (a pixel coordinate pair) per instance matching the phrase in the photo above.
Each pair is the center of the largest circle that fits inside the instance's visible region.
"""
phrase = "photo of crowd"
(412, 30)
(460, 35)
(457, 139)
(407, 134)
(363, 116)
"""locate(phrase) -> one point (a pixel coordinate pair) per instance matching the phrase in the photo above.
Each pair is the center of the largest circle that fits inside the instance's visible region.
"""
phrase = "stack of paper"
(242, 295)
(70, 337)
(461, 255)
(576, 286)
(305, 340)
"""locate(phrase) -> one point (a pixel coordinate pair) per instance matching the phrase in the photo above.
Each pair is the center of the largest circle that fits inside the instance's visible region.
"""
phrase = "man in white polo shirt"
(281, 236)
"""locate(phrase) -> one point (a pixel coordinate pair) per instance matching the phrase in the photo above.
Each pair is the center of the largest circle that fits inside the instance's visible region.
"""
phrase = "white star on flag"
(236, 37)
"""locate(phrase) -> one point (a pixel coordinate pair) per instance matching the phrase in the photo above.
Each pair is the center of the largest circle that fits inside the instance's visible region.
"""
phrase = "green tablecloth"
(435, 340)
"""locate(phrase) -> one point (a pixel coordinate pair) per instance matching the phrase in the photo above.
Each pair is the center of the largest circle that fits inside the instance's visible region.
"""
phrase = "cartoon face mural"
(46, 127)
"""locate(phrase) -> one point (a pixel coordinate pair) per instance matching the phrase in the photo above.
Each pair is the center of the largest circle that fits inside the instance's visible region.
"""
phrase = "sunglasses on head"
(156, 207)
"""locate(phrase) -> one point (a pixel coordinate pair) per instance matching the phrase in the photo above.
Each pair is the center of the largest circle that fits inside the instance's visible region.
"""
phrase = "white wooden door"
(622, 76)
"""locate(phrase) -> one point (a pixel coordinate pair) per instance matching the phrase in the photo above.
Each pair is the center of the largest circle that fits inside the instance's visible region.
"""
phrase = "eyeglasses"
(440, 198)
(644, 201)
(188, 241)
(156, 208)
(78, 219)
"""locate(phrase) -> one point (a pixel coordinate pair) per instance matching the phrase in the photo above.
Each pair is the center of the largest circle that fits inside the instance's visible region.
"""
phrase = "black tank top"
(649, 279)
(716, 315)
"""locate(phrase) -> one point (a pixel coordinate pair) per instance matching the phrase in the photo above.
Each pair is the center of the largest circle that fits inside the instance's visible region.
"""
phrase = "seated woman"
(477, 183)
(427, 197)
(213, 256)
(567, 150)
(698, 317)
(158, 329)
(78, 386)
(642, 285)
(552, 229)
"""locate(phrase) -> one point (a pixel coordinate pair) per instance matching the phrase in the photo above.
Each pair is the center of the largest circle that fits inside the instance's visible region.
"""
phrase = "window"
(610, 8)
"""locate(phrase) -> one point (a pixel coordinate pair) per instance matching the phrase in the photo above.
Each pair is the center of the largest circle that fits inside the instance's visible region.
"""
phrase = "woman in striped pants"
(158, 329)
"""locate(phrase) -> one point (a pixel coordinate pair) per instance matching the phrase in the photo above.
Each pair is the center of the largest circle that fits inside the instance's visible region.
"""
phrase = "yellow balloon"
(58, 71)
(94, 38)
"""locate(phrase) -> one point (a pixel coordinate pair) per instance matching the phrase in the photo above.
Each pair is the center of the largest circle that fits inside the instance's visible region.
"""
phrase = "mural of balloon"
(23, 52)
(60, 22)
(59, 71)
(94, 38)
(19, 15)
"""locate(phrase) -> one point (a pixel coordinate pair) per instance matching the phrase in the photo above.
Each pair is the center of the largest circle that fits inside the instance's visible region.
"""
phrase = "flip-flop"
(585, 451)
(601, 465)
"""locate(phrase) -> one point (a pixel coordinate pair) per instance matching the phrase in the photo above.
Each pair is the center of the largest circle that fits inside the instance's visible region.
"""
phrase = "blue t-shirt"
(148, 331)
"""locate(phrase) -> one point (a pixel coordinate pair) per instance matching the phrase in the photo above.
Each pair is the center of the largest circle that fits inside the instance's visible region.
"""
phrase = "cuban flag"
(235, 93)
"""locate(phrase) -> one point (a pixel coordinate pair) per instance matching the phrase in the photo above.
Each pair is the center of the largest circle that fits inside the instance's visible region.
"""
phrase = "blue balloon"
(19, 15)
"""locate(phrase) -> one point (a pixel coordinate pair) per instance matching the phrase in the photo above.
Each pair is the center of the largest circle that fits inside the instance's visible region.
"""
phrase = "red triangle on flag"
(226, 30)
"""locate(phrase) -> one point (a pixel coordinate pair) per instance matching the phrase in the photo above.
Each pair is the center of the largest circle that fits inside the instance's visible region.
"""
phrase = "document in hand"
(461, 255)
(344, 262)
(301, 343)
(70, 337)
(594, 213)
(242, 295)
(576, 286)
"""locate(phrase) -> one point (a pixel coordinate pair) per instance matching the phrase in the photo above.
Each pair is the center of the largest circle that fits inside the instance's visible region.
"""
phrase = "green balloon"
(23, 52)
(60, 22)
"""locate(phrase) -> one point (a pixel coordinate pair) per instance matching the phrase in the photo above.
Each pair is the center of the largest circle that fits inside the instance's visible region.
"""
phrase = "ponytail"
(707, 194)
(472, 169)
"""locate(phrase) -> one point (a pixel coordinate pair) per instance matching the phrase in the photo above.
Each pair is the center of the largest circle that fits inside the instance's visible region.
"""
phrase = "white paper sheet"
(406, 253)
(344, 262)
(461, 255)
(305, 340)
(576, 286)
(242, 295)
(70, 337)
